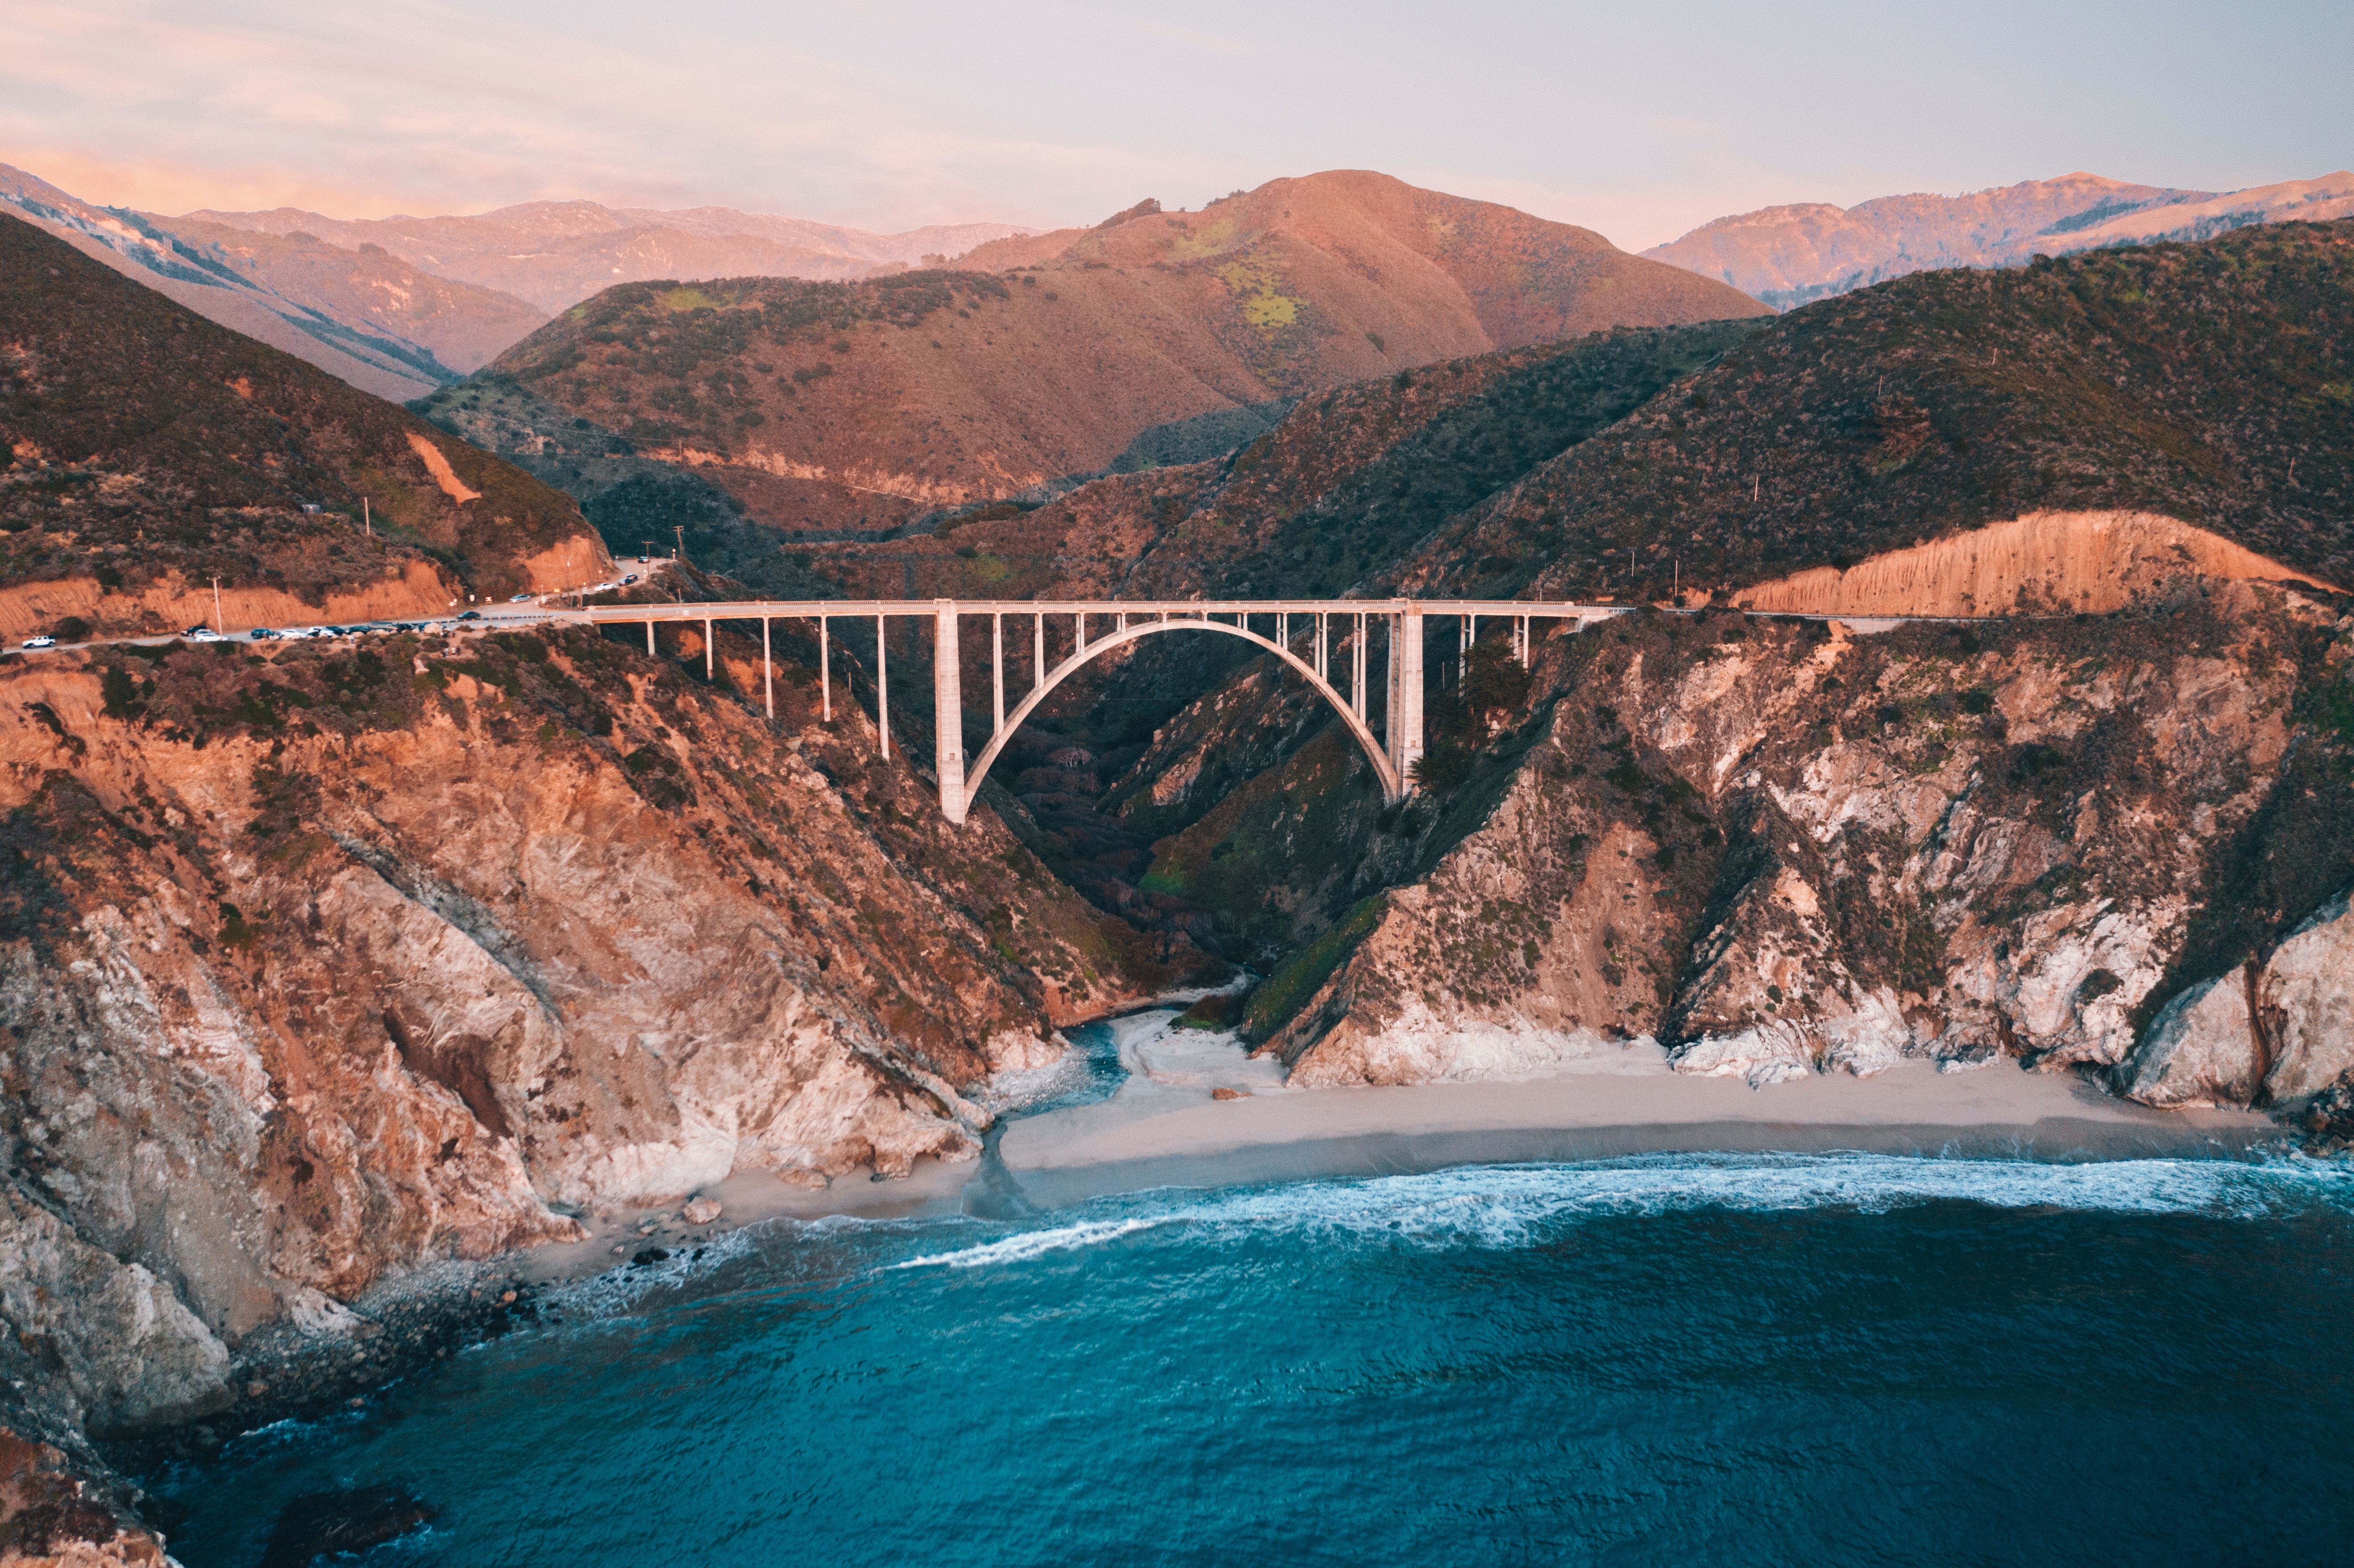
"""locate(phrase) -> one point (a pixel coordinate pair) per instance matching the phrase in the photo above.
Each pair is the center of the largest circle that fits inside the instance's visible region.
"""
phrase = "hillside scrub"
(2211, 382)
(149, 446)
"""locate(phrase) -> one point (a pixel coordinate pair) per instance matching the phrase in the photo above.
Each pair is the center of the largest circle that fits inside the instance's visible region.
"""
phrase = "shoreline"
(1161, 1127)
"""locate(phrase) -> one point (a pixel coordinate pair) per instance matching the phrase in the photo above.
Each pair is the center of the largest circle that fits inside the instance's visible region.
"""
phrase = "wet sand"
(1164, 1128)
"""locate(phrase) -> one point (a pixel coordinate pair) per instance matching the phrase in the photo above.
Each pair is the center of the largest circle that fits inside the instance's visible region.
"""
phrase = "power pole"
(680, 554)
(218, 624)
(368, 521)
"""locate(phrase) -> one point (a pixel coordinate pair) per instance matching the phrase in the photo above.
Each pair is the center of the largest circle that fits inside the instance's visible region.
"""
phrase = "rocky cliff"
(321, 966)
(1783, 847)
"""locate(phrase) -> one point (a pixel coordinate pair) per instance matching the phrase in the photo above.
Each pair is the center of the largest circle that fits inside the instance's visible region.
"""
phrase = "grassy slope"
(147, 441)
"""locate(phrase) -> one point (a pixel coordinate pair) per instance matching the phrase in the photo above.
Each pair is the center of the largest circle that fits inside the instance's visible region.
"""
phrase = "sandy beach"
(1163, 1126)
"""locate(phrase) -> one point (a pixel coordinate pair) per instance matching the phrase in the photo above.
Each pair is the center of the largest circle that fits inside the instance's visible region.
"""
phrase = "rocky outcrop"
(2211, 1046)
(327, 964)
(2307, 1005)
(2200, 1051)
(1783, 849)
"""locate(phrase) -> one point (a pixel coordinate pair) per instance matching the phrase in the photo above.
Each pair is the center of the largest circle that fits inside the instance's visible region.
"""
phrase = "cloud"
(1639, 123)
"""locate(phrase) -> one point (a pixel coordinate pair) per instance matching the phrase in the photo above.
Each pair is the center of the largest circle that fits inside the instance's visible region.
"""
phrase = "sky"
(1640, 121)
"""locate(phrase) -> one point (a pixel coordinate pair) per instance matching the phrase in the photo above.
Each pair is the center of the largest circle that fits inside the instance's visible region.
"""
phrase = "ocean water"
(1818, 1359)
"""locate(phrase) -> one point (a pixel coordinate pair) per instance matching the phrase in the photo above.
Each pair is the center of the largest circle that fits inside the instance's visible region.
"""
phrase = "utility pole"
(368, 521)
(218, 624)
(679, 555)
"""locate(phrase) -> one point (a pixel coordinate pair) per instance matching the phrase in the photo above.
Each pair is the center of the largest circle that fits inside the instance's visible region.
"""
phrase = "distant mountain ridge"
(366, 317)
(399, 306)
(1788, 256)
(557, 254)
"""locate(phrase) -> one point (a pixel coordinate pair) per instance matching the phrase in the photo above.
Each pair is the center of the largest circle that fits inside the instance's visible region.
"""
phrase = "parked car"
(43, 640)
(520, 598)
(205, 634)
(261, 634)
(628, 581)
(471, 615)
(316, 631)
(198, 631)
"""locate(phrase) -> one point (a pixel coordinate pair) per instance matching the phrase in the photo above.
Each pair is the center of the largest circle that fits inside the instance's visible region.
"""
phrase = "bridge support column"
(1357, 666)
(947, 710)
(707, 648)
(825, 669)
(1038, 654)
(768, 672)
(650, 636)
(996, 673)
(883, 684)
(1406, 693)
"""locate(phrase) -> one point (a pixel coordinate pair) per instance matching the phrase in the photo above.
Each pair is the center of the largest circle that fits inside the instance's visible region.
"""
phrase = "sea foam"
(1514, 1206)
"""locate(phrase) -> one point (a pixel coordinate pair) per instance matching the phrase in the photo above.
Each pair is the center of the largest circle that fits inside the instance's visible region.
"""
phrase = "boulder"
(1223, 1093)
(1769, 1053)
(700, 1210)
(2201, 1050)
(2307, 998)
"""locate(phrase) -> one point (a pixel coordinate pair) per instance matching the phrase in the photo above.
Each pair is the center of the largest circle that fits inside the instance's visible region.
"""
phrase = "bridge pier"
(883, 684)
(825, 669)
(947, 710)
(768, 672)
(1406, 693)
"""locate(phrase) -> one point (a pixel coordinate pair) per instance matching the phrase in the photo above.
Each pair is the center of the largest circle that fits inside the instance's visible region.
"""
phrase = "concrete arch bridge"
(1088, 629)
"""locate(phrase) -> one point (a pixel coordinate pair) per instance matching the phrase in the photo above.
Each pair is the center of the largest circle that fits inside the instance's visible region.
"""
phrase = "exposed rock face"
(2200, 1051)
(2307, 1001)
(2208, 1048)
(1783, 849)
(323, 965)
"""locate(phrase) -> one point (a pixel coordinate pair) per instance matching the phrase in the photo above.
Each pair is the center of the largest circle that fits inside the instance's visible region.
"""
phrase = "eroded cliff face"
(321, 965)
(1781, 848)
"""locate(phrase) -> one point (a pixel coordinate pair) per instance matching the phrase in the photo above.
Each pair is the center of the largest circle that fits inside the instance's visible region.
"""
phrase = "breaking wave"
(1516, 1205)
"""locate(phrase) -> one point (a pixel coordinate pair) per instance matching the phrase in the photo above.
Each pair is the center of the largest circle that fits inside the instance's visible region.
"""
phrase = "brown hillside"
(820, 405)
(151, 450)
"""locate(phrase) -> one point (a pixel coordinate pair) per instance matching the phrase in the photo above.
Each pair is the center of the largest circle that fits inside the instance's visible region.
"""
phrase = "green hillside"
(2212, 382)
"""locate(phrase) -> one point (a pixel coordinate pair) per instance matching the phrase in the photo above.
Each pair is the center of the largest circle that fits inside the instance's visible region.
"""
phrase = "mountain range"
(1164, 338)
(399, 306)
(1787, 256)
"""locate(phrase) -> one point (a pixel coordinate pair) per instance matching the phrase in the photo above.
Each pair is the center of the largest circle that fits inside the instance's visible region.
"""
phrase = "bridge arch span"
(1392, 787)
